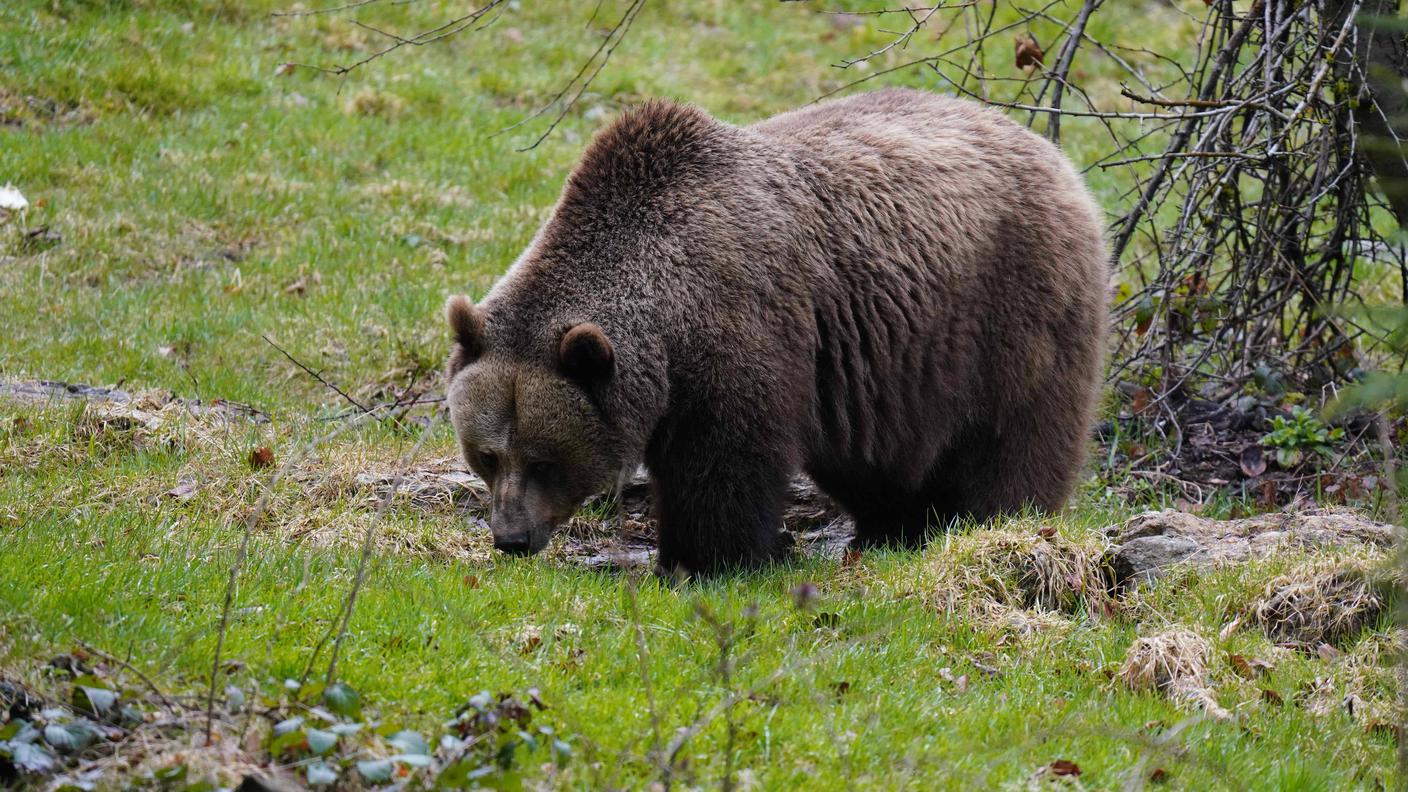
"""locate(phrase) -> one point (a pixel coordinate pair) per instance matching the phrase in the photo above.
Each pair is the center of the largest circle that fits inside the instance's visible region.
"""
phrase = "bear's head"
(533, 426)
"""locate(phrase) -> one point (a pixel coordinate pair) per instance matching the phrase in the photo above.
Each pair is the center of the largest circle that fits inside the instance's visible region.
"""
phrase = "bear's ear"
(585, 354)
(467, 324)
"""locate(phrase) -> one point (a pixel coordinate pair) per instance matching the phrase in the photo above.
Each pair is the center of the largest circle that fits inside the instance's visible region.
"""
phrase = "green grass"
(192, 187)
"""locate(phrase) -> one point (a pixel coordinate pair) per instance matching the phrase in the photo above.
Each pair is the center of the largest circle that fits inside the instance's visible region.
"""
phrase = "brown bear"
(901, 294)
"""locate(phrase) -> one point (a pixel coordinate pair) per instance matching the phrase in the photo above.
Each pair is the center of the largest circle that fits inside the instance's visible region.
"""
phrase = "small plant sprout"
(1291, 438)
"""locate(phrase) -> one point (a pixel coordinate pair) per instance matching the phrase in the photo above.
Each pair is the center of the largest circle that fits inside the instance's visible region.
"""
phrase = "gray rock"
(1148, 546)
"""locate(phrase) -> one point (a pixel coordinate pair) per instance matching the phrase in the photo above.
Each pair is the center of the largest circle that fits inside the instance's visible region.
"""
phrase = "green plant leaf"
(376, 771)
(409, 742)
(94, 700)
(321, 774)
(343, 700)
(31, 758)
(320, 742)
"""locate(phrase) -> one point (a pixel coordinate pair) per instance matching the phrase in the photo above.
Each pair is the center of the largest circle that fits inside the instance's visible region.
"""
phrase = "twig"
(1063, 65)
(600, 57)
(440, 32)
(319, 377)
(382, 508)
(242, 554)
(166, 702)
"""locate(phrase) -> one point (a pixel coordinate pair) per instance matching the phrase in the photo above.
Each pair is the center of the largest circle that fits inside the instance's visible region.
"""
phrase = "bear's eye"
(489, 462)
(542, 471)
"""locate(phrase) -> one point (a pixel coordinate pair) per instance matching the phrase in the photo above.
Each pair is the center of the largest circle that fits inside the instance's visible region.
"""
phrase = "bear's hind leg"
(885, 516)
(1034, 463)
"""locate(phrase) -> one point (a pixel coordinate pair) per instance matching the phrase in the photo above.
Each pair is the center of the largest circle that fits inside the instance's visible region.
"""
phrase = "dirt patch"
(609, 530)
(1148, 546)
(1195, 447)
(1313, 608)
(1174, 663)
(27, 111)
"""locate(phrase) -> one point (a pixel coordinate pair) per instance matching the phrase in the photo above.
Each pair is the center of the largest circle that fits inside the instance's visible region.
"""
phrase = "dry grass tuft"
(371, 102)
(1313, 606)
(1174, 663)
(1038, 570)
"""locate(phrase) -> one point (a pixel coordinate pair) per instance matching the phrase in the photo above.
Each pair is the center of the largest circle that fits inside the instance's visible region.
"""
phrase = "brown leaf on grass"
(1046, 531)
(1328, 653)
(1272, 697)
(1064, 767)
(298, 287)
(1028, 52)
(1253, 461)
(1248, 668)
(261, 457)
(1159, 776)
(284, 69)
(1142, 398)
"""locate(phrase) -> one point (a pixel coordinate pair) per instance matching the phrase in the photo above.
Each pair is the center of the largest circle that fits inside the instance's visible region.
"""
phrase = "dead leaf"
(1064, 767)
(284, 69)
(261, 457)
(183, 491)
(1046, 531)
(1143, 398)
(1328, 653)
(1267, 494)
(1029, 54)
(1159, 776)
(298, 287)
(1248, 668)
(1253, 461)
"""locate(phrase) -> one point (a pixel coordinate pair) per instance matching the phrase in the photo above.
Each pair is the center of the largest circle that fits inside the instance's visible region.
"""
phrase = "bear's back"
(957, 260)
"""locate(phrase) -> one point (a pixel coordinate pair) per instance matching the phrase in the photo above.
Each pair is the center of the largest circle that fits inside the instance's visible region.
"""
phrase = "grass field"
(190, 199)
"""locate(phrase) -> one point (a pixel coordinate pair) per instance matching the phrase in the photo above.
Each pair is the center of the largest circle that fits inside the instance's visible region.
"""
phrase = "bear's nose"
(516, 544)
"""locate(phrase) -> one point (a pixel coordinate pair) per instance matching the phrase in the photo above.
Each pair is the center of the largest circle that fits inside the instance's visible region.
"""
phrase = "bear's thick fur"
(902, 294)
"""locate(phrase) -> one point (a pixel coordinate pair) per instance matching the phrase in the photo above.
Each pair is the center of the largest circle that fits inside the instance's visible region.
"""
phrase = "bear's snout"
(516, 535)
(519, 544)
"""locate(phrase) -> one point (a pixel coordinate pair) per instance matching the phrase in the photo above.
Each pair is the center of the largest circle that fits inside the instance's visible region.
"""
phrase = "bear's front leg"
(718, 508)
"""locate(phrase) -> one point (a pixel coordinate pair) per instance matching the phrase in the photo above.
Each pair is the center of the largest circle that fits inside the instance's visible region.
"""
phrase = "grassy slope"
(199, 186)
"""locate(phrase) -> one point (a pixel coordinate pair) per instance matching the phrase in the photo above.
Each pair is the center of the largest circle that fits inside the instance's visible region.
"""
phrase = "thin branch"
(319, 377)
